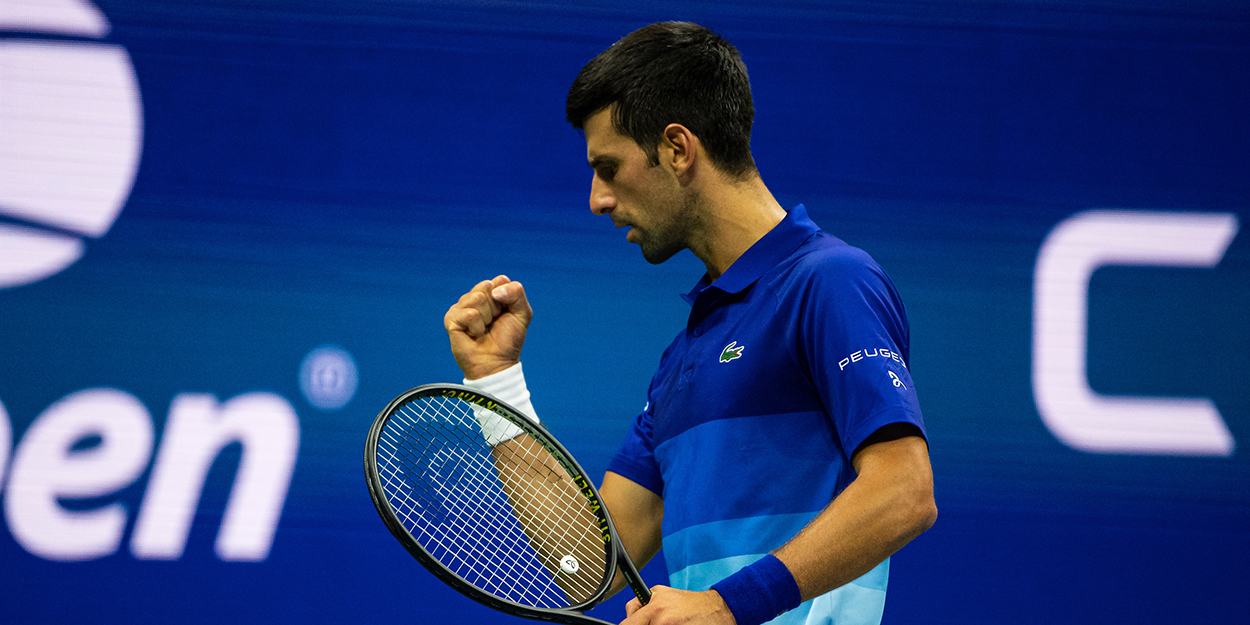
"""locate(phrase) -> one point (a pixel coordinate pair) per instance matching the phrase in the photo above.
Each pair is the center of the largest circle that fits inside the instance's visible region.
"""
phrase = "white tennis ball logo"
(71, 131)
(569, 564)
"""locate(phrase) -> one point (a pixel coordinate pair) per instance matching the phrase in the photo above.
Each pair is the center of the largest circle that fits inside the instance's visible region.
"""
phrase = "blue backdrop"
(229, 231)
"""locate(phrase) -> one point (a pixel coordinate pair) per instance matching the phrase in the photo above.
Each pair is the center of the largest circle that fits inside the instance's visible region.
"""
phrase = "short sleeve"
(856, 340)
(635, 460)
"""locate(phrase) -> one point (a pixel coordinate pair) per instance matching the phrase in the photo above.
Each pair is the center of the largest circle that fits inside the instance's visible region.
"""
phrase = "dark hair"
(672, 72)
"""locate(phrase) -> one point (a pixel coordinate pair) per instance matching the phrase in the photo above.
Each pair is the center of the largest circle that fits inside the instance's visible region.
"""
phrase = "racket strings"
(465, 541)
(417, 503)
(562, 526)
(508, 520)
(537, 519)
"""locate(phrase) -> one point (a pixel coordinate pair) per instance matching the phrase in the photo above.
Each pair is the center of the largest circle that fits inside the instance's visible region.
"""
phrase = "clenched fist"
(487, 327)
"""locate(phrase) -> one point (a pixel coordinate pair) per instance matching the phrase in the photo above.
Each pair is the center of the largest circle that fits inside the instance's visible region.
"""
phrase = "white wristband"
(509, 387)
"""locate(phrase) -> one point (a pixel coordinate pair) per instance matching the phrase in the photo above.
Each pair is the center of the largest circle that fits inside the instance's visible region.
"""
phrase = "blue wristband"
(760, 592)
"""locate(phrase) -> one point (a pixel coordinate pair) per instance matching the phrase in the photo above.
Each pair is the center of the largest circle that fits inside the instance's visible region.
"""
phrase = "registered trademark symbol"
(328, 377)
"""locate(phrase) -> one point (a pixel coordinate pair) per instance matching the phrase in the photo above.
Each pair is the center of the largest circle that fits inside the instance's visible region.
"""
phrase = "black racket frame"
(615, 554)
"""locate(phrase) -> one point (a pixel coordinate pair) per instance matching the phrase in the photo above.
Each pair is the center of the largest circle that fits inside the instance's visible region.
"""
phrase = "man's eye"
(606, 173)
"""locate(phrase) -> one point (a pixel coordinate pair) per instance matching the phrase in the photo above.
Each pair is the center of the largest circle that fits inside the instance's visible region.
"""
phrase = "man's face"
(635, 194)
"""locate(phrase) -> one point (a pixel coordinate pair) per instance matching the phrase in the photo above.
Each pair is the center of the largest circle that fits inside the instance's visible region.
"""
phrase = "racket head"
(436, 485)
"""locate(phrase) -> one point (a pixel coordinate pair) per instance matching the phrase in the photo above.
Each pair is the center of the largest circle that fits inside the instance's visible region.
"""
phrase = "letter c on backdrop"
(6, 442)
(1070, 409)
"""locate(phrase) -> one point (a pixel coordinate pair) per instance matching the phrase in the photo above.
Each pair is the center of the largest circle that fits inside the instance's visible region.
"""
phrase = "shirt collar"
(777, 244)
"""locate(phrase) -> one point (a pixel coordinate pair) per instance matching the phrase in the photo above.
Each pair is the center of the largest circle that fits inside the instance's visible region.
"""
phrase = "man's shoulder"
(825, 256)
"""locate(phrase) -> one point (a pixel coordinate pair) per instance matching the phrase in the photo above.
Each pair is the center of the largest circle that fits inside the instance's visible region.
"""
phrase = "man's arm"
(636, 513)
(888, 504)
(487, 328)
(554, 515)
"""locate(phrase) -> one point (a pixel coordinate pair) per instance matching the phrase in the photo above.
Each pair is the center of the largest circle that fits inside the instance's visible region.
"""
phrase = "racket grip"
(635, 581)
(644, 594)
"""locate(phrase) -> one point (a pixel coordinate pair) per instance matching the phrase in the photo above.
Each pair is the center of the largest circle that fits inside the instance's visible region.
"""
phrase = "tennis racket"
(516, 526)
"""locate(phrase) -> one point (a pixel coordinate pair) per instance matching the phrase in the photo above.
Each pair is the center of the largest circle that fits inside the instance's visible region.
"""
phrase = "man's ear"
(680, 148)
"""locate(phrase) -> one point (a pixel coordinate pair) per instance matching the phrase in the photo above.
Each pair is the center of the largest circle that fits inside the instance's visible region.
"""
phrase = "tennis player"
(781, 457)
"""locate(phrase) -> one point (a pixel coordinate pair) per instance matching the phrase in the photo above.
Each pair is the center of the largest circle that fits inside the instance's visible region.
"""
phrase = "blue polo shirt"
(788, 362)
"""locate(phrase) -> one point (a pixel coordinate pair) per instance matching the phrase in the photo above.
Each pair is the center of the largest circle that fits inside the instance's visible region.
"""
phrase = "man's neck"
(737, 215)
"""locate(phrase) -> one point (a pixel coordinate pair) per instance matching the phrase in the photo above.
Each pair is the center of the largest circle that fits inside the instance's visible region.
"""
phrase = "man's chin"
(651, 251)
(656, 256)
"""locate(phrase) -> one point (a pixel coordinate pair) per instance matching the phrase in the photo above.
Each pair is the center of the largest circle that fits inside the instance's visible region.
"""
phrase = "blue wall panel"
(326, 174)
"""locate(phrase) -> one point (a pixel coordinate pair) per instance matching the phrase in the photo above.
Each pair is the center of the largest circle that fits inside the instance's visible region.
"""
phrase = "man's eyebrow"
(597, 161)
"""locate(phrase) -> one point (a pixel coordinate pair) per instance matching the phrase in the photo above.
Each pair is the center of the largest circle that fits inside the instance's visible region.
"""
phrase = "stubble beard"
(672, 235)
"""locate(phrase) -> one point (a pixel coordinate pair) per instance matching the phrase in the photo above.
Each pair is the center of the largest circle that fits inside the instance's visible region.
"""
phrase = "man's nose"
(601, 198)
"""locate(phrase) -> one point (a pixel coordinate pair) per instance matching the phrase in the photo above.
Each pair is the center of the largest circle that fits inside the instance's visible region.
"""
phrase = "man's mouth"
(621, 223)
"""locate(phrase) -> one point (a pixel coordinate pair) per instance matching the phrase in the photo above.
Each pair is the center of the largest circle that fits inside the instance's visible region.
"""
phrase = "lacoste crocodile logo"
(731, 352)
